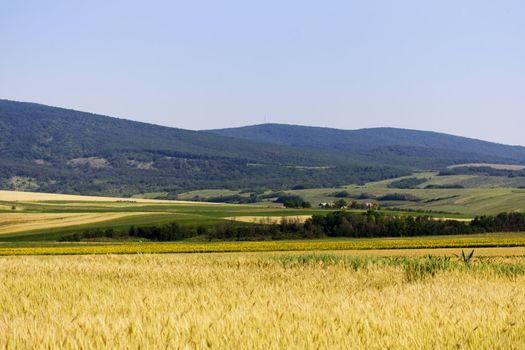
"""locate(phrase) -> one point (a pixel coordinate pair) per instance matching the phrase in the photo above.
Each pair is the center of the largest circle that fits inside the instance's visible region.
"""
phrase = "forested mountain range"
(53, 149)
(60, 150)
(420, 149)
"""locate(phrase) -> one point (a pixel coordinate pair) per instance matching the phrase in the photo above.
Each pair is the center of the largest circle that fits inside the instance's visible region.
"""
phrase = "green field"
(150, 213)
(49, 220)
(39, 222)
(481, 195)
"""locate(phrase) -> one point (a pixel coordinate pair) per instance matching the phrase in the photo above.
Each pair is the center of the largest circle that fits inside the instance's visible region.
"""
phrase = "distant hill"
(421, 149)
(58, 150)
(52, 149)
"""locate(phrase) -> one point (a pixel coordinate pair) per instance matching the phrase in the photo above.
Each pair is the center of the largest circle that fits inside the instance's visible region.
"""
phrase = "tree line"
(334, 224)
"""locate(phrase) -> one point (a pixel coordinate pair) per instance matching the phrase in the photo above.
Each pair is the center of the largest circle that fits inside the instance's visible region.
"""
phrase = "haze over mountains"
(53, 149)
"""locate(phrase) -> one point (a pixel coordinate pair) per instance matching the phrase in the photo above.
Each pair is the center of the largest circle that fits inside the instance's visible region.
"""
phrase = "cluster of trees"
(447, 186)
(232, 199)
(253, 197)
(481, 170)
(293, 201)
(386, 197)
(167, 232)
(288, 201)
(334, 224)
(341, 194)
(503, 222)
(399, 197)
(375, 224)
(286, 229)
(411, 182)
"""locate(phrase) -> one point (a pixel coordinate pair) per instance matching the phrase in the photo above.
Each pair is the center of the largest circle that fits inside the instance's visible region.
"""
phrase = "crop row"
(152, 248)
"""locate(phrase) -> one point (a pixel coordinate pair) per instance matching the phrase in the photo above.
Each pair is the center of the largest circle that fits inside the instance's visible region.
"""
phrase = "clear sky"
(456, 66)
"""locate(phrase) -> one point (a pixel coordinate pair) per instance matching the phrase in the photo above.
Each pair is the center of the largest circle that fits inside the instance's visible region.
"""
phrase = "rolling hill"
(51, 149)
(412, 148)
(58, 150)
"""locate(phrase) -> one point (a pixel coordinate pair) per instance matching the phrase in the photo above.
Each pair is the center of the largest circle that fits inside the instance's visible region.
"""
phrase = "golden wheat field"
(260, 301)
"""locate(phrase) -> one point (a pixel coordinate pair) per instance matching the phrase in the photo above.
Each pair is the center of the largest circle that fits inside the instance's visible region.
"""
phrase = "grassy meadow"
(261, 301)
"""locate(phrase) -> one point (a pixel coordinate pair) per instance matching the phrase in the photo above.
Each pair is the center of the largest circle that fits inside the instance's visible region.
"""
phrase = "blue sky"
(451, 66)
